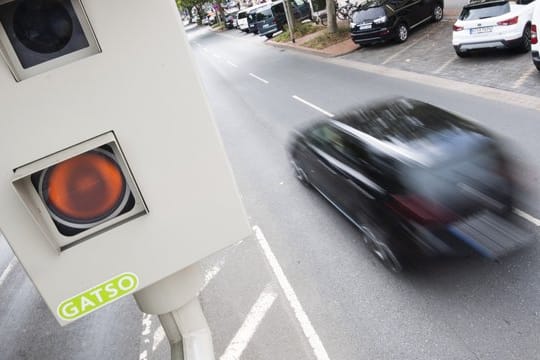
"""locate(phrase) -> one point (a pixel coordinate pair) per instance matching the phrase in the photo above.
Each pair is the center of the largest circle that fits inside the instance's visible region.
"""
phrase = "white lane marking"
(243, 336)
(159, 336)
(524, 77)
(313, 106)
(443, 66)
(258, 78)
(7, 270)
(388, 59)
(527, 217)
(146, 330)
(217, 56)
(232, 64)
(305, 323)
(205, 49)
(211, 273)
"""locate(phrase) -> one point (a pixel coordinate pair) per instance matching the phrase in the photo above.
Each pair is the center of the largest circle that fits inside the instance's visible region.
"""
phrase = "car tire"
(462, 54)
(438, 13)
(300, 173)
(537, 67)
(402, 33)
(525, 41)
(269, 36)
(377, 242)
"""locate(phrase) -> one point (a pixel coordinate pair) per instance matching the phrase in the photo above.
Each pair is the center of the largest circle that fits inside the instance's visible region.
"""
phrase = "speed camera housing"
(111, 163)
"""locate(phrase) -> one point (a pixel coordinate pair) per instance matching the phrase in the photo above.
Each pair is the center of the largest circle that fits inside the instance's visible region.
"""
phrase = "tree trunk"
(331, 13)
(290, 18)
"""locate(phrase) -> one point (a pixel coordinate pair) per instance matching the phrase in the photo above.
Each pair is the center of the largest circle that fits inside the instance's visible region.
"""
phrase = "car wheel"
(438, 13)
(269, 36)
(537, 67)
(525, 41)
(300, 173)
(376, 240)
(462, 54)
(402, 33)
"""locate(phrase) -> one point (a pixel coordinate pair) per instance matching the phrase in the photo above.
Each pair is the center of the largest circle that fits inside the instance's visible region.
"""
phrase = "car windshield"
(368, 15)
(486, 11)
(242, 15)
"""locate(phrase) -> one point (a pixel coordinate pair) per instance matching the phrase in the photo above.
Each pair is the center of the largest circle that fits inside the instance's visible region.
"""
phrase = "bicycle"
(342, 13)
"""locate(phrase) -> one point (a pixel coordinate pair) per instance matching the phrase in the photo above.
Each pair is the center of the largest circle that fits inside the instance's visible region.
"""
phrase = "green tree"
(190, 4)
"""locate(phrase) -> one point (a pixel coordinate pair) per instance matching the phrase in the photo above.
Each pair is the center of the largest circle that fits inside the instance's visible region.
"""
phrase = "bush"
(326, 39)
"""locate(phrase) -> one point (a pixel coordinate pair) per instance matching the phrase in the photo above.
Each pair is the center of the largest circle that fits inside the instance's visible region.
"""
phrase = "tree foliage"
(190, 4)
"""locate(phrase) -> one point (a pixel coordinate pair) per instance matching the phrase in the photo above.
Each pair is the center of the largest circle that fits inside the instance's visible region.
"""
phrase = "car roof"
(411, 129)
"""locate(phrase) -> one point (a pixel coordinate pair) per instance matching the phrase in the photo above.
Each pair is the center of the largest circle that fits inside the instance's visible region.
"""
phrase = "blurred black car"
(415, 179)
(379, 20)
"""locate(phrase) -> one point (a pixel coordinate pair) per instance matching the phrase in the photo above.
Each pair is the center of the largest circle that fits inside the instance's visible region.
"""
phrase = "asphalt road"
(351, 307)
(455, 309)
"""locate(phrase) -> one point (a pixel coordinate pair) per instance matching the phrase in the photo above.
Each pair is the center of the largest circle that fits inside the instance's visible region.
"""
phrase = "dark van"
(270, 19)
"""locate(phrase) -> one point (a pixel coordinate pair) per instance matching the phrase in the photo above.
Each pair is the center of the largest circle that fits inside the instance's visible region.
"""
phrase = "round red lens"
(85, 188)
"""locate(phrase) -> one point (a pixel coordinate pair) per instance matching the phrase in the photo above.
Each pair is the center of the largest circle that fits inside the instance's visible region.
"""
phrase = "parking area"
(429, 51)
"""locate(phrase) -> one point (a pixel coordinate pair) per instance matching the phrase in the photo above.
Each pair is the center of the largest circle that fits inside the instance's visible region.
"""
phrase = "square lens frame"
(25, 185)
(65, 35)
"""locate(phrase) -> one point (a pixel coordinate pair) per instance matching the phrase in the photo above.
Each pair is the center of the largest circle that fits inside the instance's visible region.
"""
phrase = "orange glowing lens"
(85, 188)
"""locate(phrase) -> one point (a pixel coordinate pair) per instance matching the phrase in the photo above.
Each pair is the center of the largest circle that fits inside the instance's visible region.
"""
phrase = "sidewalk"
(339, 49)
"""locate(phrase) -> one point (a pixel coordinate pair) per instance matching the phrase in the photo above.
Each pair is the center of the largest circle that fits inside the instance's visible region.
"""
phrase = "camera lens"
(43, 26)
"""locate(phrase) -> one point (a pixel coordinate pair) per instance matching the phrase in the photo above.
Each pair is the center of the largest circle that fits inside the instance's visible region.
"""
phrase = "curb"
(309, 50)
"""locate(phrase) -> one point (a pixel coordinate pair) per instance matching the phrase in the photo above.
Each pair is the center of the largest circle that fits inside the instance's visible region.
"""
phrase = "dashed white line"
(443, 66)
(205, 49)
(7, 270)
(232, 64)
(388, 59)
(258, 78)
(527, 217)
(524, 77)
(313, 106)
(217, 56)
(249, 326)
(305, 323)
(159, 336)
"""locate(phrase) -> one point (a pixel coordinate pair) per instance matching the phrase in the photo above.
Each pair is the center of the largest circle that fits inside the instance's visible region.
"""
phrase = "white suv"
(243, 20)
(486, 24)
(535, 28)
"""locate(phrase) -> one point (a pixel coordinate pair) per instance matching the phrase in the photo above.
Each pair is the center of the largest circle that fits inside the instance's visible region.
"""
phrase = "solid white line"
(232, 64)
(258, 78)
(443, 66)
(7, 270)
(404, 49)
(242, 338)
(527, 217)
(313, 106)
(211, 273)
(305, 323)
(524, 77)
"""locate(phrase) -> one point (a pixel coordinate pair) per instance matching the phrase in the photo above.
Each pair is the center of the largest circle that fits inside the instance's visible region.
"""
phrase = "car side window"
(327, 137)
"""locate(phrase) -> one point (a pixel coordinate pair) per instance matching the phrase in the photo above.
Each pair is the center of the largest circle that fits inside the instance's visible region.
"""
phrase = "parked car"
(535, 46)
(415, 180)
(485, 24)
(380, 20)
(252, 18)
(271, 18)
(242, 20)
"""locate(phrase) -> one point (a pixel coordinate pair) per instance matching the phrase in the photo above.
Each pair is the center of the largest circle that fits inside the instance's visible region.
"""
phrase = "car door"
(410, 11)
(319, 159)
(355, 180)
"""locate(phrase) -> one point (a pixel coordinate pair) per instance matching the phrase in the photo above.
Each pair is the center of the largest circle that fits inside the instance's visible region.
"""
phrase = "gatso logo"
(98, 296)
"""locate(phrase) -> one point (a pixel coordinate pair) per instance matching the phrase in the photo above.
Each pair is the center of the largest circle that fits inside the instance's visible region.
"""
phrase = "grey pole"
(176, 302)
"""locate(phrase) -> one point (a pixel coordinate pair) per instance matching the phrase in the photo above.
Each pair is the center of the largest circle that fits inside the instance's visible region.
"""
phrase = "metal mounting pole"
(175, 300)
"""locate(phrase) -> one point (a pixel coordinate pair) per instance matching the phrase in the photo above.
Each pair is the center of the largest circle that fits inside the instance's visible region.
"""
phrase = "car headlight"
(353, 25)
(380, 20)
